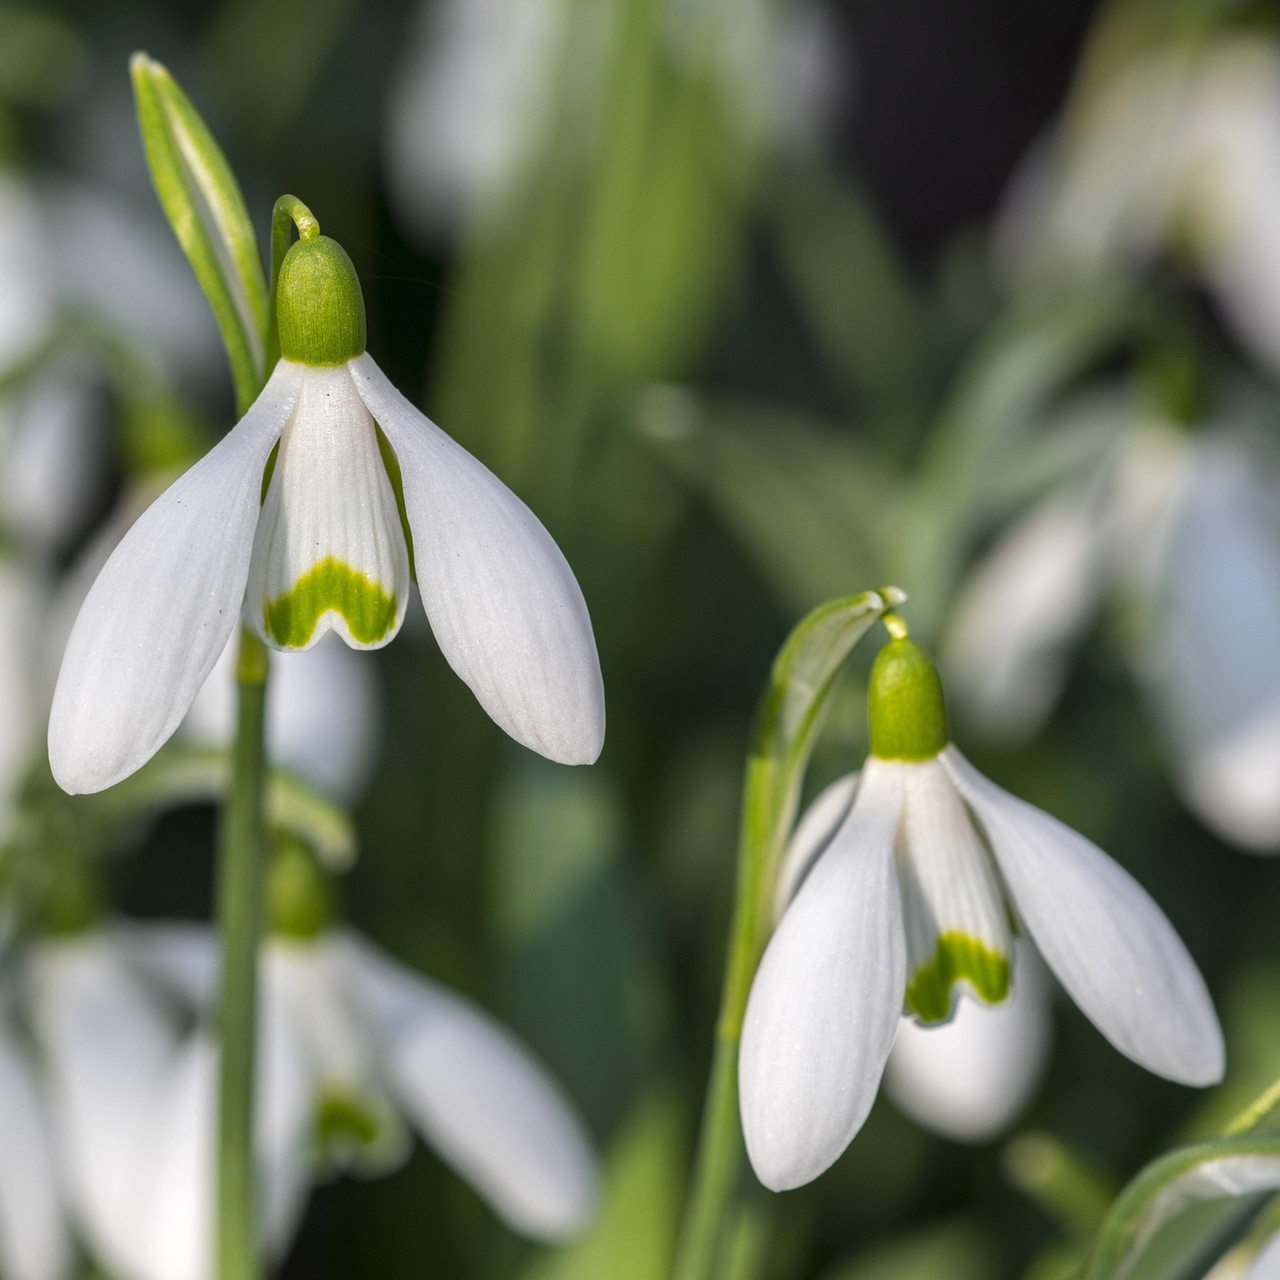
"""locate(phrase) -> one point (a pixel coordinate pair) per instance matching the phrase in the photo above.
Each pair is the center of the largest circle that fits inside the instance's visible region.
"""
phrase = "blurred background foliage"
(723, 289)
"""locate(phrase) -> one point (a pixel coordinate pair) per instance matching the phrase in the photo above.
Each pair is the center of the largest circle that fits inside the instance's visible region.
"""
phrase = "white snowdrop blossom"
(1170, 519)
(353, 1048)
(913, 902)
(968, 1078)
(323, 551)
(1176, 150)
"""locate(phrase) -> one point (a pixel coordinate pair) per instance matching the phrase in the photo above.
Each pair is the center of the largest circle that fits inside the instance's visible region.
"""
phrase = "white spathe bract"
(325, 552)
(934, 842)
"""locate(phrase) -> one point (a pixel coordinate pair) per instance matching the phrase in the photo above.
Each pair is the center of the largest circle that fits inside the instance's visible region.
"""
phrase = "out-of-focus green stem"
(240, 876)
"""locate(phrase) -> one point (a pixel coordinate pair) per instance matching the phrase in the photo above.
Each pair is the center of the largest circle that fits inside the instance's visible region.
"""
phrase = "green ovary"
(957, 958)
(369, 611)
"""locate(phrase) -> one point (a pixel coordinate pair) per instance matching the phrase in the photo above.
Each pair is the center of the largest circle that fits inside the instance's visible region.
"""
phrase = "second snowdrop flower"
(913, 902)
(325, 550)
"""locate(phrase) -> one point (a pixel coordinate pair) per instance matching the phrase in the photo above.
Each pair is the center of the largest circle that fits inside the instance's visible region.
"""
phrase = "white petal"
(1102, 936)
(161, 610)
(1008, 646)
(108, 1051)
(324, 714)
(970, 1078)
(503, 603)
(480, 1099)
(1217, 686)
(34, 1239)
(1266, 1266)
(178, 1173)
(813, 833)
(330, 553)
(22, 610)
(309, 999)
(952, 910)
(825, 1001)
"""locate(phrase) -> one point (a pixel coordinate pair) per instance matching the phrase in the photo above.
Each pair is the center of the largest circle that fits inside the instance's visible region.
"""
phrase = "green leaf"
(204, 206)
(1215, 1170)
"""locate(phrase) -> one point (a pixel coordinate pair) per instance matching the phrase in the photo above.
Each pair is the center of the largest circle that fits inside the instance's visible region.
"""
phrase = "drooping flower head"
(914, 903)
(326, 549)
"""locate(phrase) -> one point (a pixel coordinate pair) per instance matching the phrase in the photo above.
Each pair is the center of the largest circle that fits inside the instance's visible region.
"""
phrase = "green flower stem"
(786, 727)
(240, 887)
(289, 212)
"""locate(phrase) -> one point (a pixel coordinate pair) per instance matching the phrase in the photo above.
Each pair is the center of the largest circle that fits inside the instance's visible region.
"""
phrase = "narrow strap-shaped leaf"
(1213, 1170)
(206, 209)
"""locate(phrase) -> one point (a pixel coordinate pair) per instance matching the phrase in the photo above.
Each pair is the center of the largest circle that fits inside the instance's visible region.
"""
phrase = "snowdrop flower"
(325, 551)
(1180, 149)
(131, 1096)
(912, 904)
(35, 1237)
(1168, 519)
(968, 1078)
(353, 1048)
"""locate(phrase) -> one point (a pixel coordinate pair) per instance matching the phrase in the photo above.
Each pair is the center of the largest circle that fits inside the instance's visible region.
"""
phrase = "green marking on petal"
(369, 611)
(957, 958)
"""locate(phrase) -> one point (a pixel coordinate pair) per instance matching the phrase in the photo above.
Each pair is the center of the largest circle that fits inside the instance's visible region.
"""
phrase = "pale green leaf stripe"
(1214, 1170)
(203, 203)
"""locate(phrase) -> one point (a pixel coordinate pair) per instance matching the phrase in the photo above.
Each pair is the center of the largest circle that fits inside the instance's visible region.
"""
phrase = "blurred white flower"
(476, 96)
(325, 550)
(27, 299)
(1266, 1266)
(907, 906)
(351, 1047)
(1178, 150)
(324, 715)
(35, 1236)
(1169, 522)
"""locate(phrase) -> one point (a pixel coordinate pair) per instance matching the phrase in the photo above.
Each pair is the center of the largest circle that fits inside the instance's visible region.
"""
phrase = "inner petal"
(330, 553)
(958, 935)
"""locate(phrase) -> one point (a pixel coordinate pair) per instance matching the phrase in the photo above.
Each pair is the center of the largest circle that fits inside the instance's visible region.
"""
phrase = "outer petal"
(825, 1002)
(971, 1078)
(160, 612)
(34, 1239)
(1106, 941)
(1015, 624)
(821, 820)
(108, 1051)
(480, 1099)
(503, 603)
